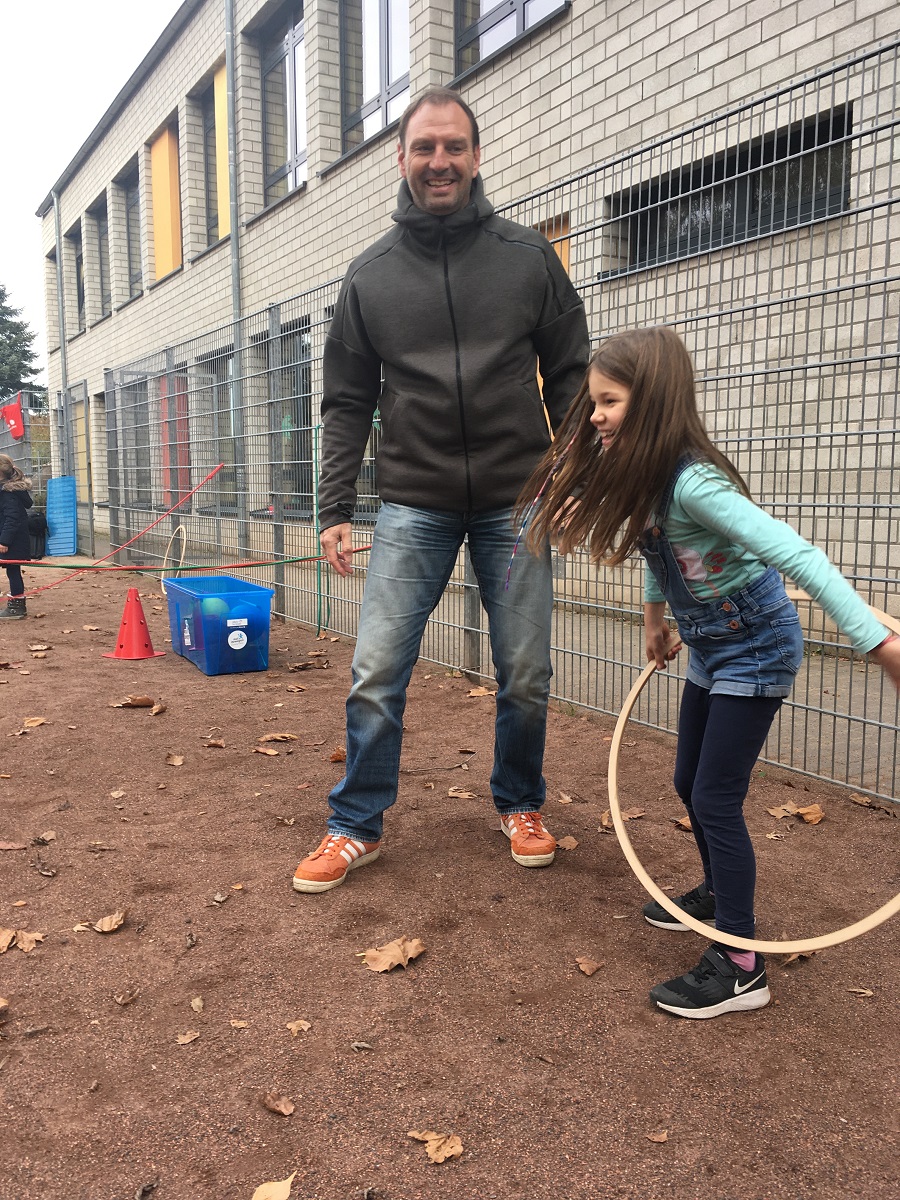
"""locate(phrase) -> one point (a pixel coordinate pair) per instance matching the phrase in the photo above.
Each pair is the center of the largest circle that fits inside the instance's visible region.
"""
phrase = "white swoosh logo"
(738, 990)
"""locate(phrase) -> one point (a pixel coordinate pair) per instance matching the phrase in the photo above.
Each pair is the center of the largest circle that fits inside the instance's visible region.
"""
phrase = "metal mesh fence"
(768, 238)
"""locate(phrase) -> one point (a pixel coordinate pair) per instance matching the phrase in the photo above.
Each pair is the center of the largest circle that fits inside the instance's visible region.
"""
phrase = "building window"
(131, 188)
(78, 260)
(215, 428)
(101, 226)
(291, 422)
(166, 192)
(284, 107)
(785, 179)
(213, 104)
(484, 27)
(374, 66)
(210, 179)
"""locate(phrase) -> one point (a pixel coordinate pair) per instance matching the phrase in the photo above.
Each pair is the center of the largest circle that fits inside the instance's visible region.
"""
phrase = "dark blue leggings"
(719, 740)
(16, 582)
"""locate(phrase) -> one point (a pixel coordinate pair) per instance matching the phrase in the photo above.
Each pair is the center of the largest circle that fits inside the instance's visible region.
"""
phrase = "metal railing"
(769, 238)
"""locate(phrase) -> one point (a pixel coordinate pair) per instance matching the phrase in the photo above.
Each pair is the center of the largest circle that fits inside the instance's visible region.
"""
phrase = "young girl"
(634, 451)
(15, 540)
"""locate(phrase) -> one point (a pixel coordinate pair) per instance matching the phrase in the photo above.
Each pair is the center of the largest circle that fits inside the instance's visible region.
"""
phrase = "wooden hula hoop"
(799, 946)
(178, 529)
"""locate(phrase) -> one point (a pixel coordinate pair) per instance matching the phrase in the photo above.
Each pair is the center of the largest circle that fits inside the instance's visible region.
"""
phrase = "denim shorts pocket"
(719, 629)
(789, 637)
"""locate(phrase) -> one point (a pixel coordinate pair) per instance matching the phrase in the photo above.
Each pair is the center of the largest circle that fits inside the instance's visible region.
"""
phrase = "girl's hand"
(661, 642)
(887, 655)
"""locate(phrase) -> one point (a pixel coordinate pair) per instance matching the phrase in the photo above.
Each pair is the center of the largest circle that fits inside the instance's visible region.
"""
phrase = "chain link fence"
(768, 237)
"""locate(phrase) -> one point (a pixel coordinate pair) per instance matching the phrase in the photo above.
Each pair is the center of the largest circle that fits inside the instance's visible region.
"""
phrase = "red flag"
(12, 415)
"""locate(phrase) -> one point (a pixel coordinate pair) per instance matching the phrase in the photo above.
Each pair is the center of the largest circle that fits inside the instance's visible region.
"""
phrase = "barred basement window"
(793, 177)
(484, 27)
(374, 66)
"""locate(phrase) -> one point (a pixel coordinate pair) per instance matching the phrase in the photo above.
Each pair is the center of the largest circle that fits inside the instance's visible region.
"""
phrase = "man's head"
(439, 151)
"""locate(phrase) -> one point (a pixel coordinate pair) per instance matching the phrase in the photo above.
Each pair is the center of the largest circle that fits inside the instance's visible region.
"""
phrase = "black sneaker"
(696, 903)
(715, 986)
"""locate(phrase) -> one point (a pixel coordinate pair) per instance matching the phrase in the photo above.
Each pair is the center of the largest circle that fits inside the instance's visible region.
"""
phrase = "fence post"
(275, 380)
(471, 620)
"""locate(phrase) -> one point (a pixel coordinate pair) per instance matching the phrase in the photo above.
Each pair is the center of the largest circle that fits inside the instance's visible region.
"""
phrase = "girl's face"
(610, 399)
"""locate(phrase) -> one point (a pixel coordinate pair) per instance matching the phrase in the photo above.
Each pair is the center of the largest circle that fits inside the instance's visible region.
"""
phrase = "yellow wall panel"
(223, 192)
(166, 202)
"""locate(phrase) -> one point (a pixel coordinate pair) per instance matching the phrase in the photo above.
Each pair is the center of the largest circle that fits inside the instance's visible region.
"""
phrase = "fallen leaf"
(632, 814)
(276, 1190)
(461, 794)
(7, 937)
(361, 1046)
(265, 750)
(237, 887)
(110, 923)
(295, 687)
(184, 1039)
(33, 722)
(438, 1146)
(91, 628)
(239, 1024)
(157, 709)
(221, 897)
(13, 846)
(567, 843)
(338, 754)
(214, 744)
(128, 997)
(39, 647)
(776, 837)
(175, 760)
(800, 955)
(588, 966)
(19, 903)
(4, 1008)
(40, 654)
(299, 1026)
(394, 954)
(27, 941)
(285, 820)
(564, 798)
(861, 991)
(81, 927)
(278, 737)
(481, 691)
(682, 822)
(606, 822)
(278, 1104)
(117, 794)
(783, 810)
(812, 814)
(662, 1136)
(197, 1004)
(135, 702)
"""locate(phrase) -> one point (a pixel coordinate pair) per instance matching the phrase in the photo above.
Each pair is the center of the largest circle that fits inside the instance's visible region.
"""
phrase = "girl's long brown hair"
(618, 488)
(9, 472)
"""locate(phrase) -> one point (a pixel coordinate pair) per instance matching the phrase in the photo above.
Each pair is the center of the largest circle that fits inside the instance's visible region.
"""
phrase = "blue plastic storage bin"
(62, 515)
(220, 623)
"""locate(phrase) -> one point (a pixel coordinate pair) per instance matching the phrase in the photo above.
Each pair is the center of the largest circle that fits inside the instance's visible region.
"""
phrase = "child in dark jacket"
(15, 539)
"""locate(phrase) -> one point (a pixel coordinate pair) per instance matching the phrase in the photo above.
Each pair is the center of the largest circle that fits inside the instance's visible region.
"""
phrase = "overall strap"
(662, 510)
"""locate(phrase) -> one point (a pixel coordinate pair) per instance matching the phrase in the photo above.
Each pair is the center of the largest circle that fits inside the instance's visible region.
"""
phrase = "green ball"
(214, 606)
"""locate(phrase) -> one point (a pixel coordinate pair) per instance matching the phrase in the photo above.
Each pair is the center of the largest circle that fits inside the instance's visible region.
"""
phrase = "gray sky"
(62, 63)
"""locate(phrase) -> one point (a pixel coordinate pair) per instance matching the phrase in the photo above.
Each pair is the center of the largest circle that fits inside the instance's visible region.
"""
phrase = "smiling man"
(441, 326)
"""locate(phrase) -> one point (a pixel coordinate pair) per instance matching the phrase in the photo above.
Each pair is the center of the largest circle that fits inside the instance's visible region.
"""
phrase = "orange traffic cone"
(134, 636)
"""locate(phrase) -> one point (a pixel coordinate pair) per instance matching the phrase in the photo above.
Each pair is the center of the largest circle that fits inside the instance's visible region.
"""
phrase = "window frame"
(384, 102)
(465, 35)
(76, 238)
(210, 177)
(275, 47)
(101, 227)
(131, 190)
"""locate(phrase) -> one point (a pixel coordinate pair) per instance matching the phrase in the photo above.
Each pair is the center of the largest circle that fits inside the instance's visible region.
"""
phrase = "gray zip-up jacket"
(455, 312)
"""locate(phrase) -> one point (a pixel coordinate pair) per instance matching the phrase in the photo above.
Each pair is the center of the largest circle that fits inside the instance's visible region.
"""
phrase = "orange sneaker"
(532, 845)
(328, 865)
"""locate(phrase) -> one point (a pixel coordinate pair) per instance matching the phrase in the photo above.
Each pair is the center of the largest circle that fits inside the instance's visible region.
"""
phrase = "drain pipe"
(61, 323)
(237, 380)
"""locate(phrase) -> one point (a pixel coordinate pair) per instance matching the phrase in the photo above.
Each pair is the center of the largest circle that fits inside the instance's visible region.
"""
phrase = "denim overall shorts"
(745, 644)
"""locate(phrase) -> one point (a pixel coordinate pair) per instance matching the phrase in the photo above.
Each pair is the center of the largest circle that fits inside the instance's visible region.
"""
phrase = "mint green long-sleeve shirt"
(723, 542)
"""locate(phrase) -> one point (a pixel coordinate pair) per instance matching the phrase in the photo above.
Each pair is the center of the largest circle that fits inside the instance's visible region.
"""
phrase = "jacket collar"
(430, 229)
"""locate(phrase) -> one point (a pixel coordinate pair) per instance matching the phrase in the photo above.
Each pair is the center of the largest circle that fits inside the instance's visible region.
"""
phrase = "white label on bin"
(236, 621)
(186, 636)
(237, 639)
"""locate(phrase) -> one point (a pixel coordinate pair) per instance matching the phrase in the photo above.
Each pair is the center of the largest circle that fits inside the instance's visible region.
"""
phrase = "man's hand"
(3, 549)
(661, 642)
(337, 544)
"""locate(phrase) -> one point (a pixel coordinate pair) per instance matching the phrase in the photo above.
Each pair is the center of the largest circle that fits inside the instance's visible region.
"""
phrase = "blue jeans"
(414, 551)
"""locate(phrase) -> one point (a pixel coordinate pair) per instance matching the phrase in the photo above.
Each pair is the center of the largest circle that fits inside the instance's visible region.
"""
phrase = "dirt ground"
(559, 1086)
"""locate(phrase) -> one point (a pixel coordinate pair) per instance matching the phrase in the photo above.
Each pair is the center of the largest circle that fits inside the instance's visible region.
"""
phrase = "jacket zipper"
(459, 387)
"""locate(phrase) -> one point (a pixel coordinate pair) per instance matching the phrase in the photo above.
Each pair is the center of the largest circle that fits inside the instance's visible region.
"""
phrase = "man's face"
(438, 160)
